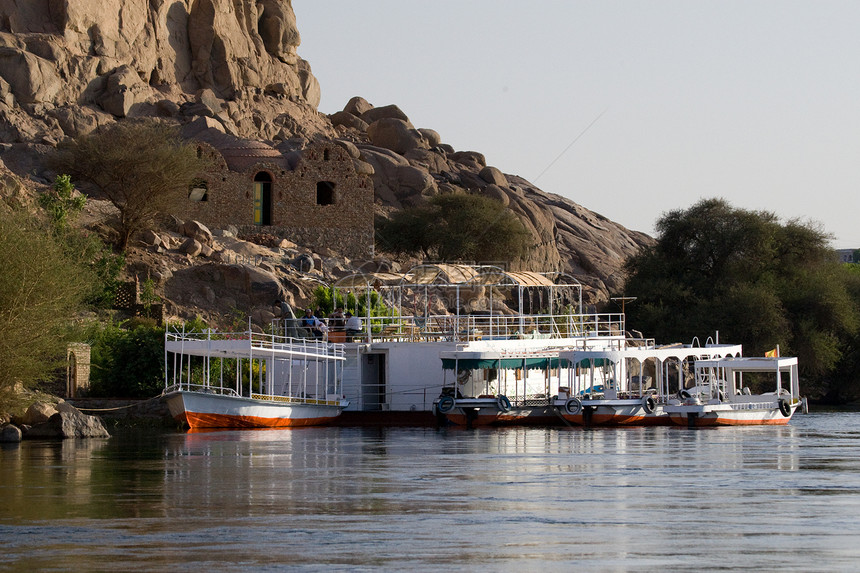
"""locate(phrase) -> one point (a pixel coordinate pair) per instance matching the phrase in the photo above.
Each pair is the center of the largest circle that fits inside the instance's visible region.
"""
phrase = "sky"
(629, 108)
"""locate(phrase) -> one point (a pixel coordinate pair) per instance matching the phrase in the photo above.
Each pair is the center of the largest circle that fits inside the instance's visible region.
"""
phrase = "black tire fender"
(445, 404)
(573, 406)
(649, 404)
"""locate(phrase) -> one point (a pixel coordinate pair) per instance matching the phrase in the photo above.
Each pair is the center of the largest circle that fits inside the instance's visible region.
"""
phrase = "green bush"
(323, 300)
(127, 363)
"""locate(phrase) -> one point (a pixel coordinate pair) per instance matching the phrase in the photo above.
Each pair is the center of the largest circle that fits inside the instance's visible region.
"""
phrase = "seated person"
(336, 319)
(353, 325)
(313, 324)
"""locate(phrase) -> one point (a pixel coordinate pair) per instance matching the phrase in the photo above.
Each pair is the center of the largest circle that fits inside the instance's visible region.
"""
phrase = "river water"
(421, 499)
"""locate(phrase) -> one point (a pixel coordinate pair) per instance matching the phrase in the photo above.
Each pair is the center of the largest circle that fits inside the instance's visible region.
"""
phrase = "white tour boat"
(498, 386)
(628, 383)
(393, 373)
(722, 396)
(271, 381)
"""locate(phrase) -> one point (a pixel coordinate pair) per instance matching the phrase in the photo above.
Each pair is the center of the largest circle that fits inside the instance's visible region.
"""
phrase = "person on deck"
(314, 325)
(336, 319)
(283, 307)
(353, 326)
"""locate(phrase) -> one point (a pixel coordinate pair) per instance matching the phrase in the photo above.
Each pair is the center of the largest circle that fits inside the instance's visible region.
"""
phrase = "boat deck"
(253, 345)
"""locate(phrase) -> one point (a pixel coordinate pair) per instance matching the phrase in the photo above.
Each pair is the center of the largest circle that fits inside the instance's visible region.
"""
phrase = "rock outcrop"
(67, 69)
(46, 420)
(70, 67)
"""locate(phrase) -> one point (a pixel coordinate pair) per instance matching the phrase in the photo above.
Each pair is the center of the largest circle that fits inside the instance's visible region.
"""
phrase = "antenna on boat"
(623, 299)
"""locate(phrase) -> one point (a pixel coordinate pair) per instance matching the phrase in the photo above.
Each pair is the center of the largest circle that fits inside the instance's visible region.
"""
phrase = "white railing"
(477, 327)
(201, 388)
(264, 342)
(270, 365)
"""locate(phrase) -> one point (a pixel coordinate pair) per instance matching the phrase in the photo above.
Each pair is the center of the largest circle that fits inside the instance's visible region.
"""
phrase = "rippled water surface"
(524, 499)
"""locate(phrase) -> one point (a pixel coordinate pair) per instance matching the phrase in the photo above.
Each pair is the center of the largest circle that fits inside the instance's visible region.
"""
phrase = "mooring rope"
(118, 407)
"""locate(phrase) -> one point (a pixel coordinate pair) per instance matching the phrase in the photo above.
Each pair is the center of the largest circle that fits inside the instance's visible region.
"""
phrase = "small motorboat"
(722, 394)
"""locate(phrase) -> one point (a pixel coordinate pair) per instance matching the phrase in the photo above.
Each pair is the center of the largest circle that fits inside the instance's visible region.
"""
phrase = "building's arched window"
(262, 198)
(326, 154)
(198, 191)
(325, 193)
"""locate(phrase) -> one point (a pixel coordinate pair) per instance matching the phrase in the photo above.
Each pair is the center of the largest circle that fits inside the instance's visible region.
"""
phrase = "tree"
(42, 287)
(456, 227)
(743, 273)
(142, 167)
(62, 206)
(842, 383)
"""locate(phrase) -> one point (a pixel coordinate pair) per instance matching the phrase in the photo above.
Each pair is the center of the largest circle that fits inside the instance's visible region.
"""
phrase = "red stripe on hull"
(707, 422)
(198, 420)
(618, 420)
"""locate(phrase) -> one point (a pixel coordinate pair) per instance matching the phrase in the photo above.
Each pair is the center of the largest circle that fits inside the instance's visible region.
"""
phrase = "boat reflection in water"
(339, 498)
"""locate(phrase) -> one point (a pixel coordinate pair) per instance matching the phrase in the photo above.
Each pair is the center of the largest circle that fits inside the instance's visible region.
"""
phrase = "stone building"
(77, 369)
(313, 197)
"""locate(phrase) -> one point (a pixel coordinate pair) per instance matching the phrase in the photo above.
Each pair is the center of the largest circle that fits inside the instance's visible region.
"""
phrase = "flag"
(772, 353)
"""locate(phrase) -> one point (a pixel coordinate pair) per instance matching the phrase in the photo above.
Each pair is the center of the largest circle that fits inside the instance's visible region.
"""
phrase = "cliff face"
(67, 68)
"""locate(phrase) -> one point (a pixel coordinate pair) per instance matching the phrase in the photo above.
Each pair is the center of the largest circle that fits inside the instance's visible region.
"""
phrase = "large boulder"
(384, 112)
(191, 247)
(384, 162)
(495, 192)
(123, 90)
(68, 423)
(472, 159)
(38, 413)
(494, 176)
(197, 231)
(76, 121)
(396, 135)
(224, 288)
(277, 28)
(357, 106)
(431, 136)
(32, 79)
(411, 180)
(10, 434)
(346, 119)
(430, 159)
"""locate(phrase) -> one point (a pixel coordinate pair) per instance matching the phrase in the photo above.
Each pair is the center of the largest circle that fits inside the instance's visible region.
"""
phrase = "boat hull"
(529, 416)
(613, 412)
(202, 410)
(725, 415)
(618, 416)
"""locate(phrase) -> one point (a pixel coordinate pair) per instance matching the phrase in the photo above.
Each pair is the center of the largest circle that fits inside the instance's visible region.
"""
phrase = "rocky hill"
(67, 69)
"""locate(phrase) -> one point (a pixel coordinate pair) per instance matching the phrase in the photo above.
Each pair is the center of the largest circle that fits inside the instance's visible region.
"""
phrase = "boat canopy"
(457, 275)
(751, 364)
(461, 276)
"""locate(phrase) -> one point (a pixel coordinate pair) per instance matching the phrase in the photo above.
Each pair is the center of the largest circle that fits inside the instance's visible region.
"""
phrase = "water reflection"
(627, 499)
